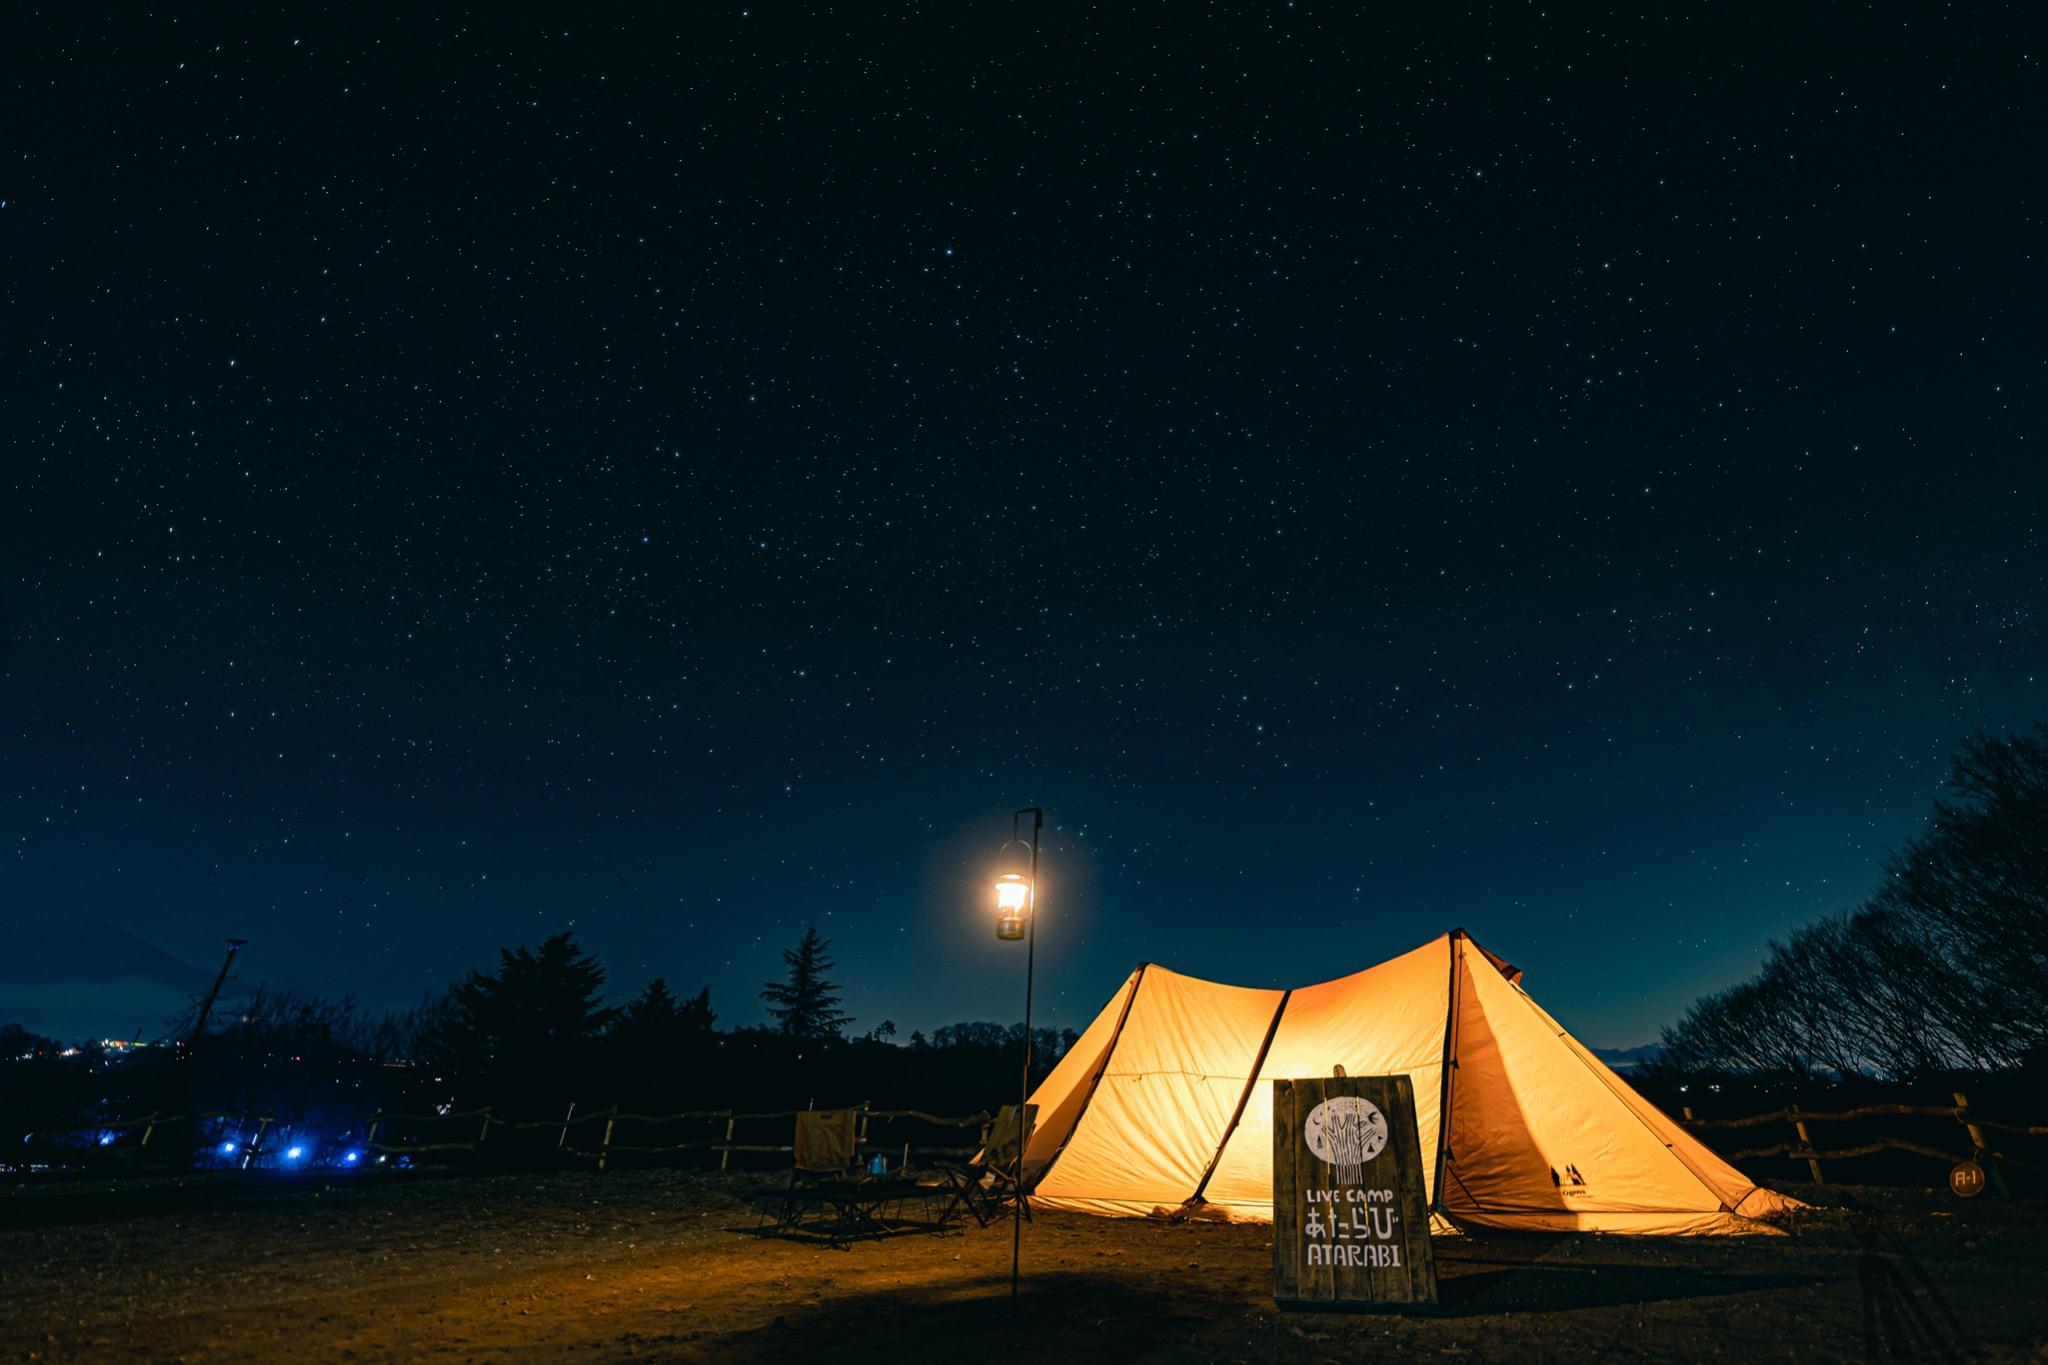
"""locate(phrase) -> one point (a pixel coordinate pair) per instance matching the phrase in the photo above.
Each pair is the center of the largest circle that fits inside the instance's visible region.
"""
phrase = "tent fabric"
(1165, 1102)
(1062, 1096)
(1400, 1030)
(1165, 1098)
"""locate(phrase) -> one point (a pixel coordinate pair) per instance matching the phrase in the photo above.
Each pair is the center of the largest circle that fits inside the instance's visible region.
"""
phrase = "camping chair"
(995, 1176)
(826, 1174)
(827, 1146)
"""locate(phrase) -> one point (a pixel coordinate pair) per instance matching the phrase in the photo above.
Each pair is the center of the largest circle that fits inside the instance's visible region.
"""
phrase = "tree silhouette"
(696, 1015)
(1944, 968)
(1976, 884)
(523, 1032)
(660, 1047)
(654, 1012)
(806, 1005)
(18, 1044)
(657, 1021)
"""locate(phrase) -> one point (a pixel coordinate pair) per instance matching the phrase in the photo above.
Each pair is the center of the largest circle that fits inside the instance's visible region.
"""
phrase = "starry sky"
(685, 474)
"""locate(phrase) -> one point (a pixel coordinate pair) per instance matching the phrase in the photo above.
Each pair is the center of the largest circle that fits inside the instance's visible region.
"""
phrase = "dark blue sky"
(686, 477)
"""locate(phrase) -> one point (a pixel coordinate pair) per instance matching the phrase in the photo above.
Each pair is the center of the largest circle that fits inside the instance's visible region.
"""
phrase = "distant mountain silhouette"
(1628, 1058)
(91, 950)
(86, 977)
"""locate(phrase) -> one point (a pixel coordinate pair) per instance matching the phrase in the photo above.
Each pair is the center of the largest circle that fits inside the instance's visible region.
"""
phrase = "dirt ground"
(665, 1266)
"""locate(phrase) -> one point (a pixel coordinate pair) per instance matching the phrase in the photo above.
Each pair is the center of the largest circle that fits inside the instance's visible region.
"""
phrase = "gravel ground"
(663, 1265)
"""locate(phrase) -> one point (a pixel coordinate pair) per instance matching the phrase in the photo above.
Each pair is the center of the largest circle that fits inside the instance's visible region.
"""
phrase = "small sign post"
(1350, 1221)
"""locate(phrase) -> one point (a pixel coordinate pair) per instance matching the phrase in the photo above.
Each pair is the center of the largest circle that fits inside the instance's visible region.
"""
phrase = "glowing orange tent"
(1165, 1103)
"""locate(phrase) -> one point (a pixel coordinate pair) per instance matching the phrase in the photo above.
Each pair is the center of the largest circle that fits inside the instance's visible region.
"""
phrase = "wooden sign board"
(1350, 1221)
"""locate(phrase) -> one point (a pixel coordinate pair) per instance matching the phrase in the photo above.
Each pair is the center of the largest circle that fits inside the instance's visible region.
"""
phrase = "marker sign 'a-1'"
(1350, 1221)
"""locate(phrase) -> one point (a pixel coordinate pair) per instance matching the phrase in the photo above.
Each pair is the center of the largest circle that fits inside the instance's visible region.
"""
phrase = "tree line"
(536, 1031)
(533, 1034)
(1943, 968)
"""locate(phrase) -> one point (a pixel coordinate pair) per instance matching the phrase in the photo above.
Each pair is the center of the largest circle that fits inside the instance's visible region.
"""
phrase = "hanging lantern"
(1015, 898)
(1013, 905)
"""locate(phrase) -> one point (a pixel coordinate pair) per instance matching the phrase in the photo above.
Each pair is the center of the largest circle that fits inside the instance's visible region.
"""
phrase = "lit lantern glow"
(1013, 905)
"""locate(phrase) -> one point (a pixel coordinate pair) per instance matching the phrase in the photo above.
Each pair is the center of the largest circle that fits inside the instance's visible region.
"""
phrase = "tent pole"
(1450, 1064)
(1095, 1081)
(1243, 1099)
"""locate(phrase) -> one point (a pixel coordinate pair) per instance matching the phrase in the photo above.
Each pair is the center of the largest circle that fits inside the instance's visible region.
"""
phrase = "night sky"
(686, 476)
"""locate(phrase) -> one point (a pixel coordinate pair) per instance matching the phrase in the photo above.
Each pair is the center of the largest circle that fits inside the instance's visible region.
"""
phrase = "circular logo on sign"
(1347, 1132)
(1967, 1180)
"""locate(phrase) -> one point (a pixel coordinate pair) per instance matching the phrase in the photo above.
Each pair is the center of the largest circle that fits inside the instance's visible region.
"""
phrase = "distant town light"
(294, 1153)
(227, 1149)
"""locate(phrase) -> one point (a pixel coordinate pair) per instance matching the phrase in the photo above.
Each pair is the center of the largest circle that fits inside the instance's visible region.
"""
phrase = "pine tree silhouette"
(806, 1005)
(655, 1009)
(658, 1021)
(523, 1033)
(696, 1015)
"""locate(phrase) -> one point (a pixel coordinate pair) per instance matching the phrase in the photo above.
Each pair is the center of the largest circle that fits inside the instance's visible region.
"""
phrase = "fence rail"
(399, 1134)
(392, 1134)
(1802, 1147)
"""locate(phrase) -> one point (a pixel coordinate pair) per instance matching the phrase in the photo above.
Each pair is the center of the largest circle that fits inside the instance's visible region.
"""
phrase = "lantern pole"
(1024, 1081)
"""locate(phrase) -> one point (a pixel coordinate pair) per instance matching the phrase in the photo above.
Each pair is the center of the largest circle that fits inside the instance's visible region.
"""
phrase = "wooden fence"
(393, 1135)
(1802, 1148)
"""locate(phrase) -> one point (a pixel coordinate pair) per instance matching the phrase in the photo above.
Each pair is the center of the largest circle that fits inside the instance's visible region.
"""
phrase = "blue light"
(227, 1149)
(106, 1139)
(294, 1153)
(351, 1158)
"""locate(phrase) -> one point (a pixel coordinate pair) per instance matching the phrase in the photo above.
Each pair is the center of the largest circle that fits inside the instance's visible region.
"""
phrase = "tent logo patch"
(1346, 1132)
(1571, 1183)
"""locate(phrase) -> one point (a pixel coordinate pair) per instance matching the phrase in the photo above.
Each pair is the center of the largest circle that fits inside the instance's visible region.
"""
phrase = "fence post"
(725, 1157)
(1805, 1142)
(1982, 1150)
(370, 1142)
(1687, 1111)
(604, 1152)
(563, 1140)
(483, 1132)
(149, 1128)
(255, 1147)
